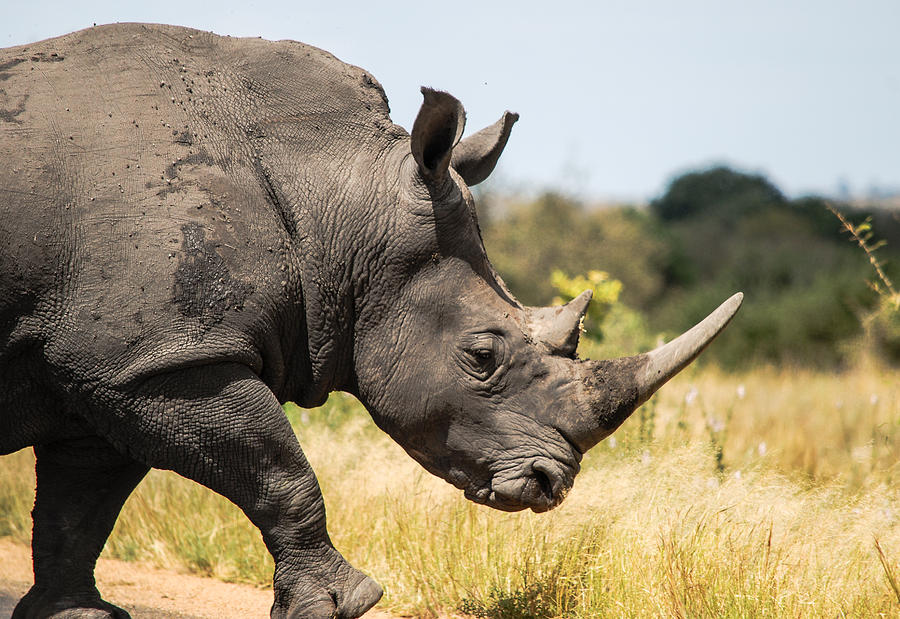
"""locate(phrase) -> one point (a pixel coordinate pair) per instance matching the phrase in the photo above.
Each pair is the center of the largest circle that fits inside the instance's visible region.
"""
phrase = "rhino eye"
(482, 362)
(481, 355)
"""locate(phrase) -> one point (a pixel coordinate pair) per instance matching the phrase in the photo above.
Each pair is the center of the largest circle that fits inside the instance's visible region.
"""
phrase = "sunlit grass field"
(762, 494)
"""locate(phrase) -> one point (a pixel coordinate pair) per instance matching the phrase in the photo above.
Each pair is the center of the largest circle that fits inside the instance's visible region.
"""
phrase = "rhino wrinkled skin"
(194, 229)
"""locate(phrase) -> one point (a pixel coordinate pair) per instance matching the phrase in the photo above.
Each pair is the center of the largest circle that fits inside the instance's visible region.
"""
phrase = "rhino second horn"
(559, 327)
(614, 388)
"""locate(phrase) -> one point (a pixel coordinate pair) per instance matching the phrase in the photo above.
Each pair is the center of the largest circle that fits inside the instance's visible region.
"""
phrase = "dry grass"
(762, 494)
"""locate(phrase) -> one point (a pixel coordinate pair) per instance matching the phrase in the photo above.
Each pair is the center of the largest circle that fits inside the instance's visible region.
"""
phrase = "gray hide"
(194, 229)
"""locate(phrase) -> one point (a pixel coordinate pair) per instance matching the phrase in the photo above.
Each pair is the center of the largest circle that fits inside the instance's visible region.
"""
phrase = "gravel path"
(148, 592)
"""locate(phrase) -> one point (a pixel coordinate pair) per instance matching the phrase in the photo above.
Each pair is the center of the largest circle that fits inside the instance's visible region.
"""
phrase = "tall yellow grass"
(767, 493)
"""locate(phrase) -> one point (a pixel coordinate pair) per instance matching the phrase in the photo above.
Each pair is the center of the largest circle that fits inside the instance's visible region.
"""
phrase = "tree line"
(809, 294)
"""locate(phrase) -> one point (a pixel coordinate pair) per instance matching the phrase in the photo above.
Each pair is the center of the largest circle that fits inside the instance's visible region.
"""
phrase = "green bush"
(610, 328)
(554, 232)
(605, 295)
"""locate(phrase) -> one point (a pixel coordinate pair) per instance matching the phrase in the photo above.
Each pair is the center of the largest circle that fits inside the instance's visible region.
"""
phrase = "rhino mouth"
(537, 482)
(540, 485)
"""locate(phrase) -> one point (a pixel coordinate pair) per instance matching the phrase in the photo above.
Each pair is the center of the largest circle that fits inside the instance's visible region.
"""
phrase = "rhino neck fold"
(319, 264)
(327, 314)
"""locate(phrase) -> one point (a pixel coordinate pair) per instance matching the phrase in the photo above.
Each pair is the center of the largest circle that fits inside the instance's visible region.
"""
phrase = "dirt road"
(147, 592)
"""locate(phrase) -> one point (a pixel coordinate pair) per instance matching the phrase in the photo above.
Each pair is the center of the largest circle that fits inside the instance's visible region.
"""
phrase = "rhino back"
(138, 224)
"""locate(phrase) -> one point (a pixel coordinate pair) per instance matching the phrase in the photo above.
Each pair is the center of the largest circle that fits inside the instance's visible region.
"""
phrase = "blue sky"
(615, 97)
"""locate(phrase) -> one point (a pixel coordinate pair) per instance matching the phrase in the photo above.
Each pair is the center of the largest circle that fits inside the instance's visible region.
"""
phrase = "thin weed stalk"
(862, 236)
(888, 570)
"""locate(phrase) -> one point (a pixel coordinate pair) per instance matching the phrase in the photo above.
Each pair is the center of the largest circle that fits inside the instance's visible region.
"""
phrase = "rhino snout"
(541, 486)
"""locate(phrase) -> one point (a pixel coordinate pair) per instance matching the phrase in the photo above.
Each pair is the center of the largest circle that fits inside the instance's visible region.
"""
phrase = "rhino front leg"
(222, 427)
(81, 486)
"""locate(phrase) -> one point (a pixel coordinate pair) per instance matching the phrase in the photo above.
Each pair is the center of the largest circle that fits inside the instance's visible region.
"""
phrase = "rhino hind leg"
(81, 487)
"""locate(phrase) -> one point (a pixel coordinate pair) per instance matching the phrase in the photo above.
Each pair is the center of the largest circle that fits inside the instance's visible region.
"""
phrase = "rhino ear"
(475, 157)
(437, 129)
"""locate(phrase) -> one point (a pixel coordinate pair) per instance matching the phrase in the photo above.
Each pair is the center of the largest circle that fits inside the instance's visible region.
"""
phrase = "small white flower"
(691, 395)
(611, 441)
(737, 474)
(761, 448)
(715, 424)
(873, 399)
(741, 391)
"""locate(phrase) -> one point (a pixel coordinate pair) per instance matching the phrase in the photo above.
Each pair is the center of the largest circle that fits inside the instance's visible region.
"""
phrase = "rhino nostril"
(546, 480)
(546, 486)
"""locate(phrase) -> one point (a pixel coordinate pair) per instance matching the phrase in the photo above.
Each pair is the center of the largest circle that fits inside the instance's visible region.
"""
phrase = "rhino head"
(482, 391)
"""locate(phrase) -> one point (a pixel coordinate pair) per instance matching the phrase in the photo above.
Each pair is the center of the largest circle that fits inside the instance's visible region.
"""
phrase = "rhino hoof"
(30, 607)
(91, 613)
(350, 603)
(363, 597)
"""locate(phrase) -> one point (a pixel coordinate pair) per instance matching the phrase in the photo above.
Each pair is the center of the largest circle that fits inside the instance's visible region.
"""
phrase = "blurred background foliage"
(812, 297)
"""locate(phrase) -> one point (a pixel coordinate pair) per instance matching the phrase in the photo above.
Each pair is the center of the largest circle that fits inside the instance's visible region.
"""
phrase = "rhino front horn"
(614, 388)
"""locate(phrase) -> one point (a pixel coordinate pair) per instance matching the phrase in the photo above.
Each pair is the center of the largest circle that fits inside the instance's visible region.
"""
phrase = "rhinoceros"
(197, 228)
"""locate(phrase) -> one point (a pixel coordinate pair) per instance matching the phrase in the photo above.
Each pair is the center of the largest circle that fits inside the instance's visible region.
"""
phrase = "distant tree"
(553, 231)
(718, 191)
(815, 210)
(711, 233)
